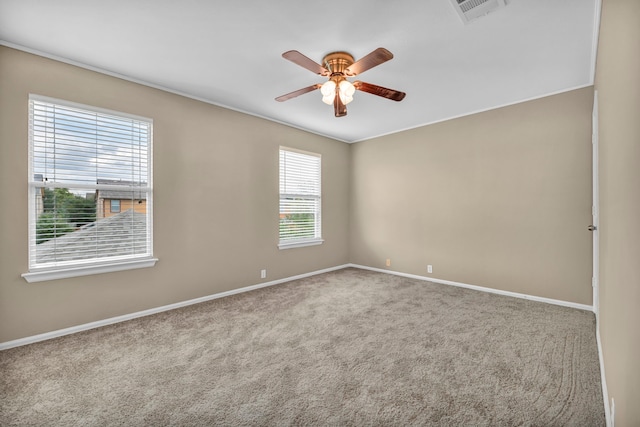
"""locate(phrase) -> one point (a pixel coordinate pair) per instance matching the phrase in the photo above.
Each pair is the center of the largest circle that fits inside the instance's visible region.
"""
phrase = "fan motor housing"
(337, 62)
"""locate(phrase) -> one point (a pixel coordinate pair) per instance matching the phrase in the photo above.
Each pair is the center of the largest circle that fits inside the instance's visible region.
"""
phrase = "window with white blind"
(90, 190)
(300, 201)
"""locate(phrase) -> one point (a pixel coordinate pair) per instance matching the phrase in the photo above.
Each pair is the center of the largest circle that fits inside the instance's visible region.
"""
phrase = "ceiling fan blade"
(298, 58)
(338, 106)
(298, 92)
(373, 59)
(391, 94)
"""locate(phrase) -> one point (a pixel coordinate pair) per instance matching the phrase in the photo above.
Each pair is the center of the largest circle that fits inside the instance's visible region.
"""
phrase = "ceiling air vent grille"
(469, 10)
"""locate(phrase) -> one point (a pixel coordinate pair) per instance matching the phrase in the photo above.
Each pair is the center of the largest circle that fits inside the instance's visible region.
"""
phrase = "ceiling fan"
(338, 66)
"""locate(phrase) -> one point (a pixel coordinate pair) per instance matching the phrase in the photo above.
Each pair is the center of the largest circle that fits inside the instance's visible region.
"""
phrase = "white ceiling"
(229, 53)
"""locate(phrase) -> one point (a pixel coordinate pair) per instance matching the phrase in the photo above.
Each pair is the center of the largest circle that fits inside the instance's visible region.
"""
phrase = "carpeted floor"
(351, 347)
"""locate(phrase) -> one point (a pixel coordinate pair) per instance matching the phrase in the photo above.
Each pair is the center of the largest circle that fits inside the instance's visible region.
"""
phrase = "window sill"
(299, 244)
(63, 273)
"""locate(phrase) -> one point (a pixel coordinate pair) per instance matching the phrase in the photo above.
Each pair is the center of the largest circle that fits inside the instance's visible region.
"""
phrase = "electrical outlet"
(263, 274)
(388, 263)
(429, 268)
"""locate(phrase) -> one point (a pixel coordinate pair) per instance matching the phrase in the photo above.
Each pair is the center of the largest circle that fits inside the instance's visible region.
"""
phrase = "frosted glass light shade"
(328, 99)
(347, 88)
(328, 88)
(345, 99)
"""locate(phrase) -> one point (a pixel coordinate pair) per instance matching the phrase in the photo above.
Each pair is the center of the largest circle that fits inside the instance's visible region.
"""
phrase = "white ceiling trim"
(206, 101)
(155, 86)
(478, 111)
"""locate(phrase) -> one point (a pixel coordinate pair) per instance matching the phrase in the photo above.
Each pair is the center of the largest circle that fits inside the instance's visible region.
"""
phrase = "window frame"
(317, 239)
(68, 269)
(111, 204)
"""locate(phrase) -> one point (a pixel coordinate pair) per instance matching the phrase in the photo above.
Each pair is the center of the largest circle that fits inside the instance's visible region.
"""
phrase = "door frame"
(595, 208)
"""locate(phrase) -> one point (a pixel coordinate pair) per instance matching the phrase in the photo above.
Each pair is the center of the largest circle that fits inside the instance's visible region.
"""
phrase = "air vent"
(470, 10)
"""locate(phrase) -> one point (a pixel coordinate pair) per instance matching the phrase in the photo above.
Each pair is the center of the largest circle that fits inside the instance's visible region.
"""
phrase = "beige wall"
(618, 85)
(215, 201)
(500, 199)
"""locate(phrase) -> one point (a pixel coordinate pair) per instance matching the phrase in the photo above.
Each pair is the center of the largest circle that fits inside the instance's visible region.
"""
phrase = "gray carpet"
(351, 347)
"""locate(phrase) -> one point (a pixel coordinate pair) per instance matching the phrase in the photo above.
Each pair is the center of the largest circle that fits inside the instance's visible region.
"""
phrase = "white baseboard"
(603, 380)
(478, 288)
(92, 325)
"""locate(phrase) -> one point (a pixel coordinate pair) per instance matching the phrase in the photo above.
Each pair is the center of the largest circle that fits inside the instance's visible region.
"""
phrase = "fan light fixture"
(337, 66)
(346, 89)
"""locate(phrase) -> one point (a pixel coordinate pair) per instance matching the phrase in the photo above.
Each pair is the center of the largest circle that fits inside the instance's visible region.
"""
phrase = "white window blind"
(82, 159)
(300, 201)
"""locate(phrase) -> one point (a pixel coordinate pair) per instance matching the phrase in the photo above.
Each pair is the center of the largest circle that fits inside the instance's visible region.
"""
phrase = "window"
(300, 204)
(76, 155)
